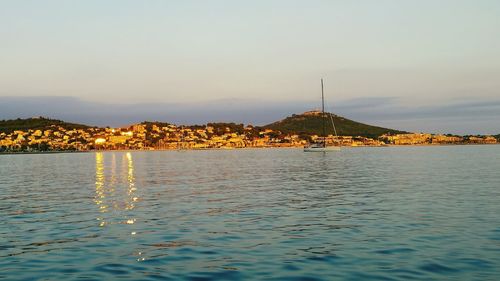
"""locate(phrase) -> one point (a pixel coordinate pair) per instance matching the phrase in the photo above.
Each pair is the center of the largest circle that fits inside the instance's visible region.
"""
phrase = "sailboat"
(321, 145)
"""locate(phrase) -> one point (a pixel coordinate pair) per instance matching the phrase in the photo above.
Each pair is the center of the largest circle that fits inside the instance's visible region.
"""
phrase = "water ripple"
(401, 213)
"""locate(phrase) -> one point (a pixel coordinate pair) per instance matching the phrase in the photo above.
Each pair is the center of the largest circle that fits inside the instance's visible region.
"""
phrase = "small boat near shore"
(320, 148)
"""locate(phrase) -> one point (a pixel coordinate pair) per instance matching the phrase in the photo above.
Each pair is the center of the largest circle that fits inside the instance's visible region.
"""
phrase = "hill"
(312, 123)
(8, 126)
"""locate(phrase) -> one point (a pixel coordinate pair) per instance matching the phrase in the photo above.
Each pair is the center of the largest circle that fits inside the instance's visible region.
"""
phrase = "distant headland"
(42, 134)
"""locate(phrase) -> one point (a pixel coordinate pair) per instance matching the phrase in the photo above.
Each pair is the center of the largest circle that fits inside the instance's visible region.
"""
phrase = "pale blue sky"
(415, 55)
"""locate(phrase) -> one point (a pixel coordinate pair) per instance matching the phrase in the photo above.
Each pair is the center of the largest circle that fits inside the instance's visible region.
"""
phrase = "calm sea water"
(394, 213)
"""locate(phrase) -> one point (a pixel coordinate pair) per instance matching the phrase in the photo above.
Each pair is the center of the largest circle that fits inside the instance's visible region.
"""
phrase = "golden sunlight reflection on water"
(115, 191)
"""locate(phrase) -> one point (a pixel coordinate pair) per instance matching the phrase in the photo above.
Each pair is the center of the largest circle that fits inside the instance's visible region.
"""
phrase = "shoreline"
(235, 148)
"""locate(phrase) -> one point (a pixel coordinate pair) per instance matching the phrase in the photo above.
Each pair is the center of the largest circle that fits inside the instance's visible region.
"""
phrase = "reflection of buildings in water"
(109, 197)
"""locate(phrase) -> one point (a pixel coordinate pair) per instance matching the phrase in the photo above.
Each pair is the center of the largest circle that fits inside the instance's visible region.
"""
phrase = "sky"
(423, 66)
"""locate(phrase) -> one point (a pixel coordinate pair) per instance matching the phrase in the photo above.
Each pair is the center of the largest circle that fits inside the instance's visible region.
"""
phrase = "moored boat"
(321, 146)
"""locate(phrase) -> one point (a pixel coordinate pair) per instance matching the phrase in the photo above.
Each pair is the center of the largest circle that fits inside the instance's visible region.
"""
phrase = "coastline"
(234, 148)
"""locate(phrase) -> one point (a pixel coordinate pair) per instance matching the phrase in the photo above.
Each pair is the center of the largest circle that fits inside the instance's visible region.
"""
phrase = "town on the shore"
(164, 136)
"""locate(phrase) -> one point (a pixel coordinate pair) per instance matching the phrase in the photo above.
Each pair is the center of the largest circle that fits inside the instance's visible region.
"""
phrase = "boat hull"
(322, 149)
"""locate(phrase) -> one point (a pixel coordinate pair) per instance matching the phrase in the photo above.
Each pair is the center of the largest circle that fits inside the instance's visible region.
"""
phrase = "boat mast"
(323, 113)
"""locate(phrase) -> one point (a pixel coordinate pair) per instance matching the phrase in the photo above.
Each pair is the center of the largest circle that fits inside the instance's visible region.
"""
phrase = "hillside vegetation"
(313, 124)
(306, 124)
(39, 123)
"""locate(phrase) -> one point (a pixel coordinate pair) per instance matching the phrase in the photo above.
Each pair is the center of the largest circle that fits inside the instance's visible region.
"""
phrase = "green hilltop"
(312, 123)
(36, 123)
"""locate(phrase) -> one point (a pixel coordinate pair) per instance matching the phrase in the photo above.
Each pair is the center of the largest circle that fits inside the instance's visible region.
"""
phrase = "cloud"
(458, 109)
(104, 114)
(464, 116)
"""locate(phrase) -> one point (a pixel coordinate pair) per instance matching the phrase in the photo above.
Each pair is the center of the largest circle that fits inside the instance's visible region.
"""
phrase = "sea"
(379, 213)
